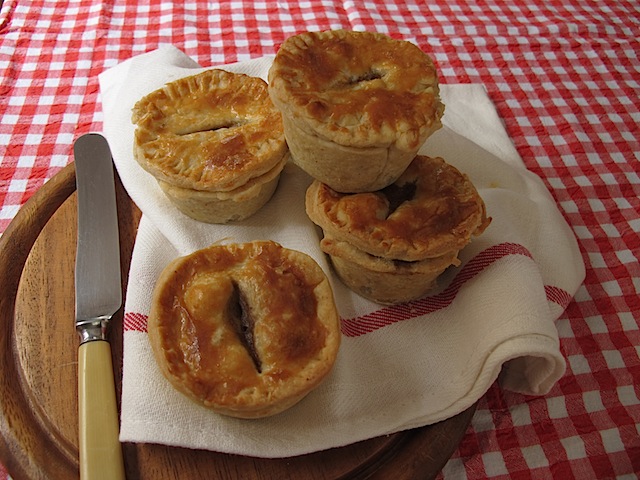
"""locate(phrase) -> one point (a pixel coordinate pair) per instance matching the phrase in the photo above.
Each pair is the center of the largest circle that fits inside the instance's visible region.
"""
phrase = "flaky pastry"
(356, 106)
(213, 132)
(415, 226)
(386, 281)
(247, 330)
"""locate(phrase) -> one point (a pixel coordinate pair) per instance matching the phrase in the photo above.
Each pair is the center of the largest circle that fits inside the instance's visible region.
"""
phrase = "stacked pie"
(214, 142)
(356, 108)
(392, 244)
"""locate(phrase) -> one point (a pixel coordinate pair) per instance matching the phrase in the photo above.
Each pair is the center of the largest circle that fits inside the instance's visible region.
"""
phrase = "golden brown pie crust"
(358, 88)
(356, 106)
(244, 329)
(430, 210)
(427, 216)
(211, 132)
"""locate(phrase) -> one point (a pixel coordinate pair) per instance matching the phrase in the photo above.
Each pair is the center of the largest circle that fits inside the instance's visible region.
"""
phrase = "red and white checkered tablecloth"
(564, 76)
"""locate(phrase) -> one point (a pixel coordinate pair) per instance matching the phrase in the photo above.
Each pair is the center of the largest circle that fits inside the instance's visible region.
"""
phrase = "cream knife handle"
(100, 449)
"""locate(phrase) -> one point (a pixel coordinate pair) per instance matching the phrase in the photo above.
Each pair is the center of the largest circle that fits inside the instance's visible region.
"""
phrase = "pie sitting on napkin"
(398, 367)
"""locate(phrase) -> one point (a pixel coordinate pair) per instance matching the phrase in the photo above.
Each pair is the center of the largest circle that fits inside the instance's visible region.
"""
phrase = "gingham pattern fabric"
(565, 78)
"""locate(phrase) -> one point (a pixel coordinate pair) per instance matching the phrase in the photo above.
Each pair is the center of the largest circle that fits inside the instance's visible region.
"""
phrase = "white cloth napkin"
(398, 367)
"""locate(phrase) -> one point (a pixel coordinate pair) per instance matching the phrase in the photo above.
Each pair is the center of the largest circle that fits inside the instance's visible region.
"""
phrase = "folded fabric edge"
(507, 372)
(541, 373)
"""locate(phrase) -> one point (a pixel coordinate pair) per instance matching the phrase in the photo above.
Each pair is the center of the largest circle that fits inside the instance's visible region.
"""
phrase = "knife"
(98, 297)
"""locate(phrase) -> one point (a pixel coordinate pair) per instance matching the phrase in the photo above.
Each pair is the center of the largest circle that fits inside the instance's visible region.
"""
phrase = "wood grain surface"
(38, 371)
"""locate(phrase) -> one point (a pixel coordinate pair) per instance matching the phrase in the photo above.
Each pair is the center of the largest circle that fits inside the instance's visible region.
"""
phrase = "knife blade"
(98, 297)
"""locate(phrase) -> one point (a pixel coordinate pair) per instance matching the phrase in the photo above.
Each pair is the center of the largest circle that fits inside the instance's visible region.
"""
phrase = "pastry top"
(359, 89)
(244, 329)
(210, 131)
(431, 210)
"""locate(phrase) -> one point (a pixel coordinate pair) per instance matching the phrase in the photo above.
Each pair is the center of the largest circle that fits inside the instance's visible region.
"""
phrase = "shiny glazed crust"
(359, 89)
(356, 106)
(244, 329)
(391, 245)
(430, 211)
(213, 131)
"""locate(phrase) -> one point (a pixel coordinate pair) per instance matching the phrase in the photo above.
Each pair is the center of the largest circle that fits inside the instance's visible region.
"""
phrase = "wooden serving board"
(38, 371)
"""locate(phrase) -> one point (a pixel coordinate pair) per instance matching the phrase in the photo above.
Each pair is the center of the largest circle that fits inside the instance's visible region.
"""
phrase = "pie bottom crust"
(343, 168)
(385, 281)
(221, 207)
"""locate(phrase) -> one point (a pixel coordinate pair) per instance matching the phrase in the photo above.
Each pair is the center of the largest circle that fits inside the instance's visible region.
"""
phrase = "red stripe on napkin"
(557, 295)
(354, 327)
(136, 322)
